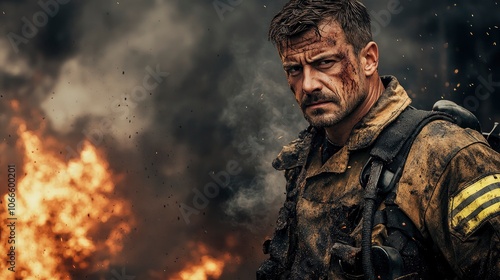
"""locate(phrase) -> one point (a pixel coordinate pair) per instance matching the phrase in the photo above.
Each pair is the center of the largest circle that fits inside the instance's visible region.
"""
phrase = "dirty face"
(324, 74)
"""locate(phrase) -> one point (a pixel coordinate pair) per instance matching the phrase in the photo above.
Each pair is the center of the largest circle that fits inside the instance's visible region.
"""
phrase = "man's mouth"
(317, 103)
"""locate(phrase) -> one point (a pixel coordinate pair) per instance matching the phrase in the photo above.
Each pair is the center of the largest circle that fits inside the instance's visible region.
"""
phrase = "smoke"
(263, 92)
(188, 98)
(120, 68)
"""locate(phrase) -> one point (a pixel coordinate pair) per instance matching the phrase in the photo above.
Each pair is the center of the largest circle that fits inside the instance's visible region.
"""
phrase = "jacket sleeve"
(467, 201)
(450, 189)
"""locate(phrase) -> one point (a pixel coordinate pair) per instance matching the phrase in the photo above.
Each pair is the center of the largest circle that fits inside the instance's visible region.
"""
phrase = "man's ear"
(369, 55)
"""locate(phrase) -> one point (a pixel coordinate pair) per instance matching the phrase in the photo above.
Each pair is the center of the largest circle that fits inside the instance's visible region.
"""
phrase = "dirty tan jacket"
(450, 189)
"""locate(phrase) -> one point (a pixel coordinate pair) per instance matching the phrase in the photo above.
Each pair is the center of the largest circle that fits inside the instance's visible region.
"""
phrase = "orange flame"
(65, 214)
(208, 268)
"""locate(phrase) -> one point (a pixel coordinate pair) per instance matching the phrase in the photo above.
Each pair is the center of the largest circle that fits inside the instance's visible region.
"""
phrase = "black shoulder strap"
(401, 132)
(394, 143)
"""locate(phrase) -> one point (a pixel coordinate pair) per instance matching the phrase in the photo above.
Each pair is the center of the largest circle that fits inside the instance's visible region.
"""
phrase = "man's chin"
(320, 117)
(321, 121)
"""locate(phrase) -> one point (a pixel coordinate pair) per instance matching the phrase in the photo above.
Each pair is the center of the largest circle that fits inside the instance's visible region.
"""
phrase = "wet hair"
(300, 16)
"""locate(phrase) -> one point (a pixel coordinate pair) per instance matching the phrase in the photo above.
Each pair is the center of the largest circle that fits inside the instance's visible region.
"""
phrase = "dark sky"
(186, 97)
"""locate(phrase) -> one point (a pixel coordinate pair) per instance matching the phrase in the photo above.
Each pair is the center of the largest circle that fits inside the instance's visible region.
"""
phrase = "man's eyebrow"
(289, 64)
(324, 56)
(314, 59)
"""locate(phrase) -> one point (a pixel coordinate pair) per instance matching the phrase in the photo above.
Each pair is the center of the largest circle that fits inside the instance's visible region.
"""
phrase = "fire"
(208, 268)
(67, 220)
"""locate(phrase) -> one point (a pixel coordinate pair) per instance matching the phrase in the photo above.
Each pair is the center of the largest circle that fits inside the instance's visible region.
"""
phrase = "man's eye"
(325, 64)
(293, 70)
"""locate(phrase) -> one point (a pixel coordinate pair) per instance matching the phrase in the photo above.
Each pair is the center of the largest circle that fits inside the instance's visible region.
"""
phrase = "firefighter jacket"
(449, 190)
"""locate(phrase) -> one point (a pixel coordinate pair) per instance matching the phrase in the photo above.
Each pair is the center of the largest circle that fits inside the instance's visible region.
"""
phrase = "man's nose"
(310, 81)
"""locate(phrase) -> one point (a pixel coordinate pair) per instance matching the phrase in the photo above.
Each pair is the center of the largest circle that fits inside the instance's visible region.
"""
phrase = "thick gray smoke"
(188, 99)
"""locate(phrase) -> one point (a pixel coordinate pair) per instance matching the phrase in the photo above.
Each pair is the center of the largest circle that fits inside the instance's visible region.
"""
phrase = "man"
(449, 191)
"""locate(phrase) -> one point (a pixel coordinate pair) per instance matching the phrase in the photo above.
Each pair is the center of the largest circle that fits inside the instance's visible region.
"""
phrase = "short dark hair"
(299, 16)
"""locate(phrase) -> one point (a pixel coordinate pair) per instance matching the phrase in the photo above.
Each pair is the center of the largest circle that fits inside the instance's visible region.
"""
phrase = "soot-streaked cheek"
(348, 71)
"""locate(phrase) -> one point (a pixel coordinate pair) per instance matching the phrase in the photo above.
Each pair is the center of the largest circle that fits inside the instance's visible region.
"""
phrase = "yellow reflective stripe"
(473, 223)
(467, 224)
(477, 186)
(475, 203)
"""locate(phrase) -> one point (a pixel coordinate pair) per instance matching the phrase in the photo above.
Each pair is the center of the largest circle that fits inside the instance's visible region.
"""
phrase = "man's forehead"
(330, 35)
(309, 47)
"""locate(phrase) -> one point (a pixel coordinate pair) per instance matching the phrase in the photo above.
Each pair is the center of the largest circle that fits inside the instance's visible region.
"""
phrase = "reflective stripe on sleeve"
(475, 204)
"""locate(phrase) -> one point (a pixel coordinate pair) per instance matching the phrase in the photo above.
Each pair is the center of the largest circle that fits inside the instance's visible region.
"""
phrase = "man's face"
(325, 75)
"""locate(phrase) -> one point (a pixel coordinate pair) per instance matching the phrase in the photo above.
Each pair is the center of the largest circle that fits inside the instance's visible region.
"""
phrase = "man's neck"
(339, 134)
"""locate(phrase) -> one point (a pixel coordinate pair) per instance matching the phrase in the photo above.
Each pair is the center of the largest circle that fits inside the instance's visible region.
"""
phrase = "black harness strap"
(390, 150)
(370, 205)
(394, 143)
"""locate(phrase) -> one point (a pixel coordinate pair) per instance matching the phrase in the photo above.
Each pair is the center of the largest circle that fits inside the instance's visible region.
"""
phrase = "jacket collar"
(390, 104)
(295, 154)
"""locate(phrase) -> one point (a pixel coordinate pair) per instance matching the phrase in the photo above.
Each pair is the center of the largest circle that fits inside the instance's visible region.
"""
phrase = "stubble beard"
(321, 118)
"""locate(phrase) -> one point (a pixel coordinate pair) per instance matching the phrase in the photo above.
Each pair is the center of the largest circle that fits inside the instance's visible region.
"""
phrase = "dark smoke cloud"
(222, 100)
